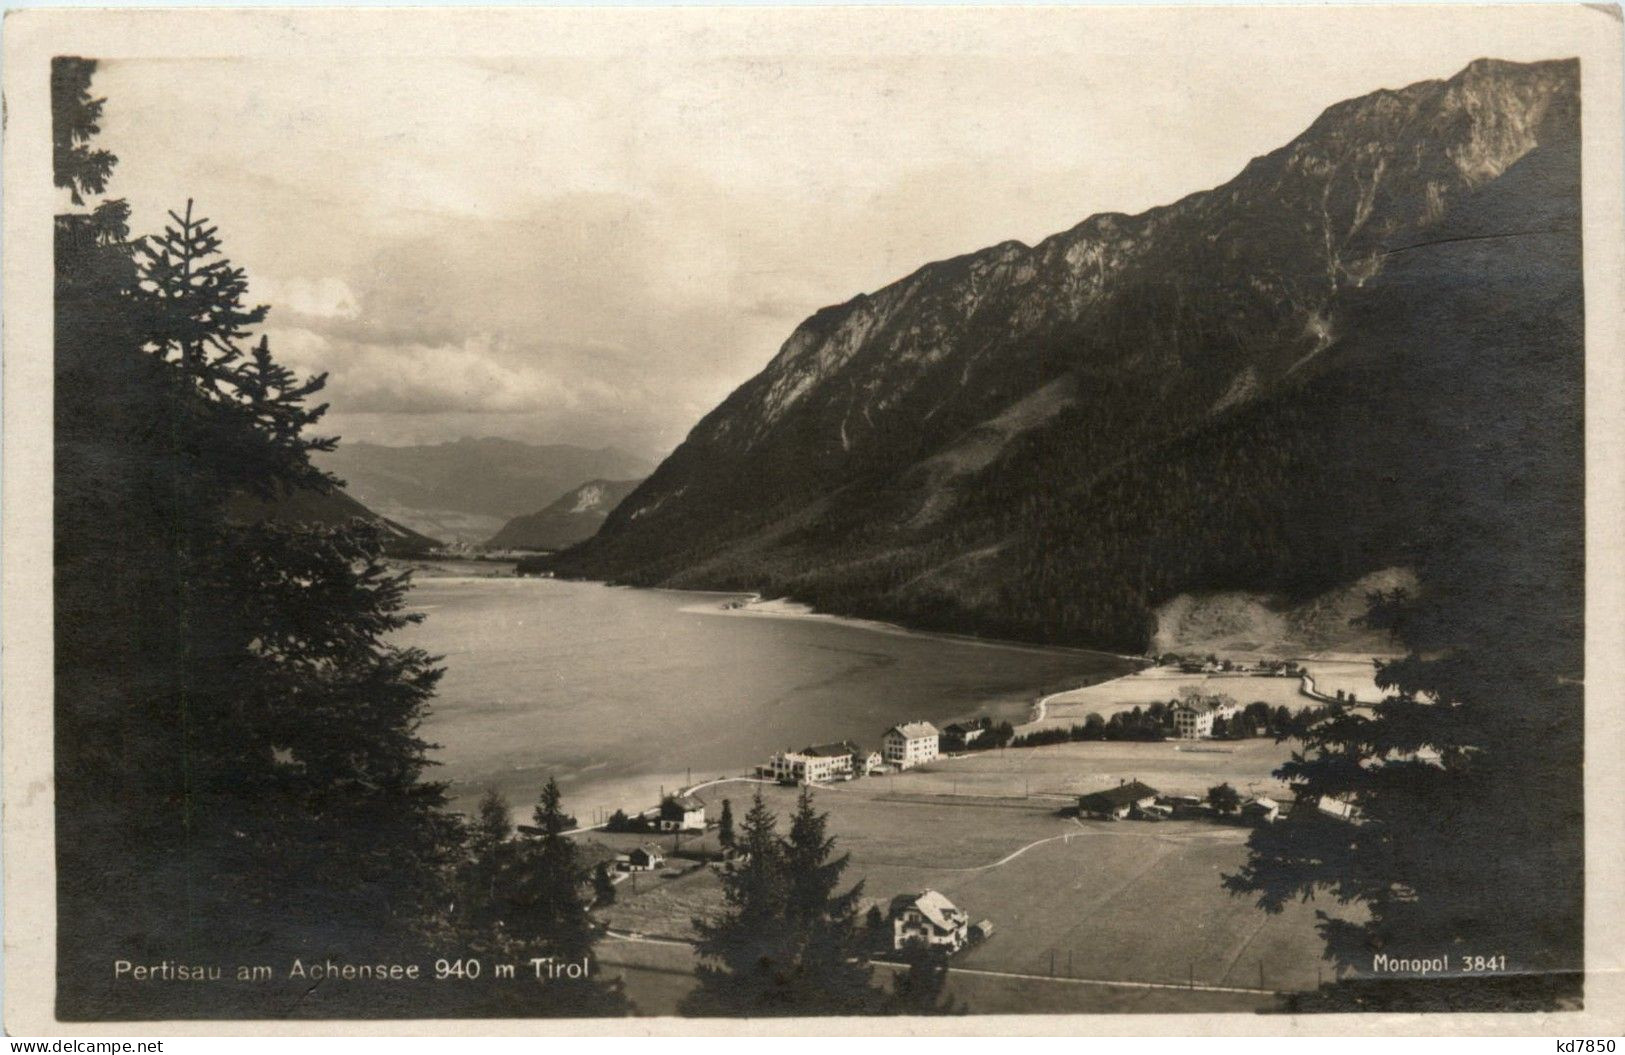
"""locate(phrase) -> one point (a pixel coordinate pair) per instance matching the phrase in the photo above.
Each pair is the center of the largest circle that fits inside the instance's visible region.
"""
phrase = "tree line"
(1156, 722)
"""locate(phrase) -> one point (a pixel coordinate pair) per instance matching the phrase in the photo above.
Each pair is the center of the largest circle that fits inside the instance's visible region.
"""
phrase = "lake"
(621, 693)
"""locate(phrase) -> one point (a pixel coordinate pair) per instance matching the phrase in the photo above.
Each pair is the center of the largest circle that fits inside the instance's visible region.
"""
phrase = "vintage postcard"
(813, 520)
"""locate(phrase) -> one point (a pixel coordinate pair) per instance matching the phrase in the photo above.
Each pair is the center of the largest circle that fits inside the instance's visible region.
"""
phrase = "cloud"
(596, 237)
(322, 298)
(478, 375)
(592, 312)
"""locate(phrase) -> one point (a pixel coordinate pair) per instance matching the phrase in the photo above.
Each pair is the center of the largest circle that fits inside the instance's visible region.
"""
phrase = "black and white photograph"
(919, 515)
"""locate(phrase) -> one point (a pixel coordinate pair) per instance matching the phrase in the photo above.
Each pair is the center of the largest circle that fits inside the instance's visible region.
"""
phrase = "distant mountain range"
(466, 490)
(1276, 385)
(573, 518)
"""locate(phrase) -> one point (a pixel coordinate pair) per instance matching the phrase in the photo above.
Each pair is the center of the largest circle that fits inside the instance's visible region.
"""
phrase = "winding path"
(1007, 858)
(725, 780)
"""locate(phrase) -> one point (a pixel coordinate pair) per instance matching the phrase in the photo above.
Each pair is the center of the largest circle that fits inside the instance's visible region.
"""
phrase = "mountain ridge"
(892, 411)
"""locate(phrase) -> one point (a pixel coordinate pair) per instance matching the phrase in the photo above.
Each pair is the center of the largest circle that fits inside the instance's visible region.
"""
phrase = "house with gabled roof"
(960, 735)
(645, 858)
(1261, 809)
(928, 919)
(682, 813)
(1116, 803)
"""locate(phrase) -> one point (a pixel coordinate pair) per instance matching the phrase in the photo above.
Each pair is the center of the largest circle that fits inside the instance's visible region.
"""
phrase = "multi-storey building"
(910, 744)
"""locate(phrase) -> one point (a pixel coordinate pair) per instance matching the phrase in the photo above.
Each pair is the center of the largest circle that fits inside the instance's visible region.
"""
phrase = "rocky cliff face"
(902, 446)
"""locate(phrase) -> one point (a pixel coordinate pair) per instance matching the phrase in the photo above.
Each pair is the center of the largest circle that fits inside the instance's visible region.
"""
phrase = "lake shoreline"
(1061, 699)
(754, 606)
(620, 691)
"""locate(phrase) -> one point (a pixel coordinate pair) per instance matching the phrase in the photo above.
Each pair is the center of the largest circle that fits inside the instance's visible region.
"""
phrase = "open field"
(1128, 902)
(1142, 688)
(657, 977)
(1135, 902)
(651, 905)
(1066, 770)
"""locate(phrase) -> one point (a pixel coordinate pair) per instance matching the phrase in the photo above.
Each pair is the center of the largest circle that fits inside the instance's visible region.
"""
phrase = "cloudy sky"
(593, 235)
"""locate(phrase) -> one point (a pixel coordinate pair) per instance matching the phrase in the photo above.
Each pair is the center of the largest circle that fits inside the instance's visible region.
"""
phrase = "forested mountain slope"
(1271, 386)
(574, 516)
(331, 509)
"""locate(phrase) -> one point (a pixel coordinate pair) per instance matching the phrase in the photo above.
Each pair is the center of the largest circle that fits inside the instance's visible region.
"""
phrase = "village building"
(1117, 803)
(682, 813)
(910, 744)
(1337, 809)
(645, 858)
(1193, 718)
(961, 735)
(839, 756)
(871, 762)
(1185, 805)
(1261, 809)
(812, 765)
(928, 919)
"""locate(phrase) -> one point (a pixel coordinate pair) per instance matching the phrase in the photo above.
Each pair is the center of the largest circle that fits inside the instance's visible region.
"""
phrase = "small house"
(928, 919)
(1337, 808)
(682, 813)
(645, 858)
(1260, 809)
(1116, 803)
(1308, 805)
(981, 931)
(960, 735)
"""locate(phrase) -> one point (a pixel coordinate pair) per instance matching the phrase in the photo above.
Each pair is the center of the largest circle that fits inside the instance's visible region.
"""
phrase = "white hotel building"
(1193, 719)
(910, 744)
